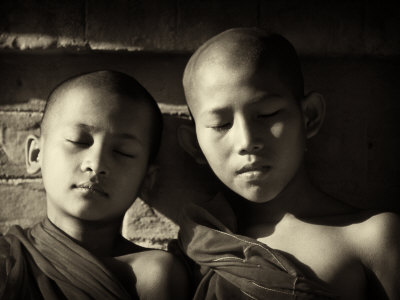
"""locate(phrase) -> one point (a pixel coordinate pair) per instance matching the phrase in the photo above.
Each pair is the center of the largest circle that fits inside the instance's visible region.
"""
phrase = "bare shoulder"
(376, 241)
(160, 275)
(376, 231)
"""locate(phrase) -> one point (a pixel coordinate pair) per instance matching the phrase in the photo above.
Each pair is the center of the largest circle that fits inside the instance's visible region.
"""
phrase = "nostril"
(102, 172)
(86, 166)
(257, 146)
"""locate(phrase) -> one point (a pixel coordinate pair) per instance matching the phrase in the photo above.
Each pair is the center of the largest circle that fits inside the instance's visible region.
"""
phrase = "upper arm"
(381, 252)
(163, 276)
(4, 257)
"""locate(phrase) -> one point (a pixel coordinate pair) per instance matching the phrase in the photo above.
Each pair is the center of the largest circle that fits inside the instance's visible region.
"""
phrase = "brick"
(32, 76)
(49, 18)
(131, 25)
(15, 127)
(22, 202)
(200, 20)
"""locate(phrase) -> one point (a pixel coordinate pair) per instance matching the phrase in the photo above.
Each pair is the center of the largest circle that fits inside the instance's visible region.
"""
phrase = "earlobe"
(313, 108)
(188, 141)
(32, 154)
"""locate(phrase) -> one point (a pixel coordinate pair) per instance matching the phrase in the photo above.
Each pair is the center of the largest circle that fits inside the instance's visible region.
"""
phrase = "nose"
(247, 137)
(95, 161)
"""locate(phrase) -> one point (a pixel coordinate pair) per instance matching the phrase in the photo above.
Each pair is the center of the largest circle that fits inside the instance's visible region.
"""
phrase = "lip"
(253, 172)
(90, 188)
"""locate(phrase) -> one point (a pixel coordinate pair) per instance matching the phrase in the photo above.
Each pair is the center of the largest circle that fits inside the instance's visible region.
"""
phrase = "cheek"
(53, 162)
(58, 163)
(292, 146)
(130, 175)
(277, 129)
(213, 148)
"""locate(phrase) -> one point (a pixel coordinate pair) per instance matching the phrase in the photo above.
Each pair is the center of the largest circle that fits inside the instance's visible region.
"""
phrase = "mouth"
(253, 171)
(91, 188)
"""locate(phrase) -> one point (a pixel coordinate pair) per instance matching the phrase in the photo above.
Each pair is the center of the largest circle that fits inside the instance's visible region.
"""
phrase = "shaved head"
(109, 81)
(244, 50)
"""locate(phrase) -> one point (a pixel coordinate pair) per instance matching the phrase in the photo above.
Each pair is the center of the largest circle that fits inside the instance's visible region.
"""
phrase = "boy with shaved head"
(99, 136)
(271, 234)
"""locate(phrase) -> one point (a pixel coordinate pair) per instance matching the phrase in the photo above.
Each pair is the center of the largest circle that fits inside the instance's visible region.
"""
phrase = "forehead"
(227, 83)
(100, 108)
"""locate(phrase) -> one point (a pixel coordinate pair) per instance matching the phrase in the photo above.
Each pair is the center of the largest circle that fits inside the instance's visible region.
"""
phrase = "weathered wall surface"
(349, 51)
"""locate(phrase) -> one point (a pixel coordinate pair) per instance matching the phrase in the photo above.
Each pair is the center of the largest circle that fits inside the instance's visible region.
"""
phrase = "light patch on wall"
(37, 41)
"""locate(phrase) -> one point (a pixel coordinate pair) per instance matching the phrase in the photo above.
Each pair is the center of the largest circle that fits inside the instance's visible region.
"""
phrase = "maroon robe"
(238, 267)
(43, 263)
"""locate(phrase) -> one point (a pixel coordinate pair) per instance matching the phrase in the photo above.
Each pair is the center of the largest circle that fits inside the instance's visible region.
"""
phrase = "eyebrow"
(123, 135)
(128, 136)
(215, 111)
(220, 110)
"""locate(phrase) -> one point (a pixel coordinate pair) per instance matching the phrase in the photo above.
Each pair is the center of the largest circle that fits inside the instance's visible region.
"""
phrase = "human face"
(94, 154)
(249, 127)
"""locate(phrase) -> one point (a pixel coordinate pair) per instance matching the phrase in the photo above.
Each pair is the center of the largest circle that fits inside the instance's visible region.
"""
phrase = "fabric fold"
(44, 263)
(236, 266)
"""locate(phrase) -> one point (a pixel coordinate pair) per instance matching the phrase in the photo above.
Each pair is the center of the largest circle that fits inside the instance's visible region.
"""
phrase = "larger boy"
(279, 237)
(99, 136)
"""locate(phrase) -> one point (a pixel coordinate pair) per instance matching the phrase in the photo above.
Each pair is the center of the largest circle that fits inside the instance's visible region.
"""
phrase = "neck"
(99, 238)
(299, 198)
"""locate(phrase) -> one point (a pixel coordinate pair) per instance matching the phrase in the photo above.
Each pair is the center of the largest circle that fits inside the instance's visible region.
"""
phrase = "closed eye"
(262, 116)
(78, 143)
(222, 127)
(124, 154)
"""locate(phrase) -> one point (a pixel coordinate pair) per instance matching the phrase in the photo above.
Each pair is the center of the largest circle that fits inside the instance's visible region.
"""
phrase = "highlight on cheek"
(277, 129)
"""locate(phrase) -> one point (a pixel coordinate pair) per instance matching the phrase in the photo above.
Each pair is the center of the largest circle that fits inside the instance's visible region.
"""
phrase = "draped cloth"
(43, 263)
(235, 266)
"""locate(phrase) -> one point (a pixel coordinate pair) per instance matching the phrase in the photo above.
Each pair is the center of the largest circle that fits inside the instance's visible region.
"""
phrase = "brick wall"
(349, 51)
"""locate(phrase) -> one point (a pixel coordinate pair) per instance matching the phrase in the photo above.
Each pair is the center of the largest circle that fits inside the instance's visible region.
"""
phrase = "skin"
(94, 156)
(247, 117)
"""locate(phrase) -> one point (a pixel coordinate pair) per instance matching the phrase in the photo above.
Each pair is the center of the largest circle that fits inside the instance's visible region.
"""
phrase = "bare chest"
(322, 253)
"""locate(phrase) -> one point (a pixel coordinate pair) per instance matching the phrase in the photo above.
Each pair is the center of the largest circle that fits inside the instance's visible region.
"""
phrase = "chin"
(258, 196)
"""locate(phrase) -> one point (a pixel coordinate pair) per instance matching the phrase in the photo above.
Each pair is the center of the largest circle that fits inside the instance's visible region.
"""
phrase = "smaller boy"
(99, 135)
(271, 234)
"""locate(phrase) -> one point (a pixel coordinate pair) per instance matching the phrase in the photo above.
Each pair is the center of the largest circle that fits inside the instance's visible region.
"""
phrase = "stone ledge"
(34, 107)
(33, 41)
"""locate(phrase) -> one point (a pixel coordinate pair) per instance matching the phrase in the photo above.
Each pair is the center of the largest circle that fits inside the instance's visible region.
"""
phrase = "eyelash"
(268, 115)
(78, 143)
(82, 144)
(222, 127)
(225, 127)
(124, 154)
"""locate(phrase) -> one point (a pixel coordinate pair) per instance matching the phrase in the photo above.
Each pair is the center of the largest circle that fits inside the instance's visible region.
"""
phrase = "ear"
(313, 107)
(188, 141)
(148, 181)
(32, 154)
